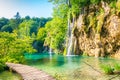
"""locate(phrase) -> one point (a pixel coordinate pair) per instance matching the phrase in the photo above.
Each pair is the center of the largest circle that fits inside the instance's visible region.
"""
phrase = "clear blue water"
(71, 67)
(66, 67)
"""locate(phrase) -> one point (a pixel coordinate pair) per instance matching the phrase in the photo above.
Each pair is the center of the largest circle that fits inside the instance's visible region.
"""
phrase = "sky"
(33, 8)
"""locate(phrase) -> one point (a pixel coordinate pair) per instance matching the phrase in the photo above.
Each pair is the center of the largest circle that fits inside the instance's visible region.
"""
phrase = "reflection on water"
(72, 67)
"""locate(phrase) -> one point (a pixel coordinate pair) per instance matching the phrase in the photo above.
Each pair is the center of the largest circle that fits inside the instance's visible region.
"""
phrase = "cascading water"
(70, 38)
(50, 49)
(70, 46)
(50, 53)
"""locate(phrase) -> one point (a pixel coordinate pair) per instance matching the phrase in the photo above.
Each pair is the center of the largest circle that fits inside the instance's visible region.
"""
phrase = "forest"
(78, 27)
(17, 36)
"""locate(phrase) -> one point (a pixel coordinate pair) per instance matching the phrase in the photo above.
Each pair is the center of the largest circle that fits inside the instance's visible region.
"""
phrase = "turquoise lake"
(71, 67)
(67, 67)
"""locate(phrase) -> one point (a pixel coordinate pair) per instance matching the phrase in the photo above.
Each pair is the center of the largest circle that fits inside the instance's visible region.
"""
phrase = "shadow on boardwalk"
(29, 73)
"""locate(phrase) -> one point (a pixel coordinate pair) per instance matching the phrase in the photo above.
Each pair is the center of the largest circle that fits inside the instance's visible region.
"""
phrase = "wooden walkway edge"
(29, 73)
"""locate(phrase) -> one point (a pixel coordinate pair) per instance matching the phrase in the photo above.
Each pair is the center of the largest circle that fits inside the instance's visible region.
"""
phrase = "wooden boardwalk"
(28, 72)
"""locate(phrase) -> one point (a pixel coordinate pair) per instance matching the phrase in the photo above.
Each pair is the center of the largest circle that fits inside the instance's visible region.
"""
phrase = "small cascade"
(50, 49)
(50, 53)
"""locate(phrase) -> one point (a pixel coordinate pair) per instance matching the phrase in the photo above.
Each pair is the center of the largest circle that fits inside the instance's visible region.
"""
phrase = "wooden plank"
(29, 73)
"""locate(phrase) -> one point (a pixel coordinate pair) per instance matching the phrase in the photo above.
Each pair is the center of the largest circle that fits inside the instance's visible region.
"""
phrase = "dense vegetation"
(20, 35)
(17, 36)
(95, 26)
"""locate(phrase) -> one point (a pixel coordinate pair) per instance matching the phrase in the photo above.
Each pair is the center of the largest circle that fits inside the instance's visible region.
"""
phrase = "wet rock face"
(95, 39)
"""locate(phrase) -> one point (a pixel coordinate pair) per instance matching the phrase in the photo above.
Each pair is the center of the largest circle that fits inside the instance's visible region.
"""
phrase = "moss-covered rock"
(98, 30)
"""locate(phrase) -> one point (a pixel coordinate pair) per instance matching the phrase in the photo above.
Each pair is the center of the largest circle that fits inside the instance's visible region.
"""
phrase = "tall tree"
(17, 19)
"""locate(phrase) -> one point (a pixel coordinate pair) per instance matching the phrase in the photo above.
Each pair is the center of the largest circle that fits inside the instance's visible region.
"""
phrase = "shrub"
(117, 67)
(1, 66)
(107, 69)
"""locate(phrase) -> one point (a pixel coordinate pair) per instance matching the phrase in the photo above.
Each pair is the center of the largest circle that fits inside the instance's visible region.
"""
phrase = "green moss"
(65, 52)
(85, 54)
(100, 23)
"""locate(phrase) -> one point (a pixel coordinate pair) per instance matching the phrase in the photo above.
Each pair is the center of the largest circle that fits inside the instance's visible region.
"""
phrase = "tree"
(13, 48)
(26, 28)
(56, 32)
(7, 28)
(17, 16)
(17, 19)
(3, 21)
(41, 35)
(27, 17)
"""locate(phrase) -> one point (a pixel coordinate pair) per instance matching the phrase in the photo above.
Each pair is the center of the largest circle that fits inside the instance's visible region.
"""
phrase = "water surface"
(71, 67)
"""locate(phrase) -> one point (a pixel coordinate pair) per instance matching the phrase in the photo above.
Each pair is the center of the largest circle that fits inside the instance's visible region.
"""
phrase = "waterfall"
(70, 38)
(50, 53)
(70, 46)
(50, 49)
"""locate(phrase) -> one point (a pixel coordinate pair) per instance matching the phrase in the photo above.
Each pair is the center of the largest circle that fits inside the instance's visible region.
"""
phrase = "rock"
(117, 54)
(114, 27)
(98, 35)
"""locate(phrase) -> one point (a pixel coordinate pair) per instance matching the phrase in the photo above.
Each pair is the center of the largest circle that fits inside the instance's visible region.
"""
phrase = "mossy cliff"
(97, 30)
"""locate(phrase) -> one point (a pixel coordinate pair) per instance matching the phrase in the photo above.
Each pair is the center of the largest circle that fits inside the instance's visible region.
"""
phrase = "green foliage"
(95, 1)
(85, 54)
(17, 18)
(100, 21)
(1, 67)
(113, 4)
(3, 21)
(7, 28)
(41, 34)
(56, 32)
(17, 36)
(107, 69)
(61, 11)
(110, 69)
(118, 6)
(75, 10)
(13, 48)
(28, 27)
(117, 67)
(41, 21)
